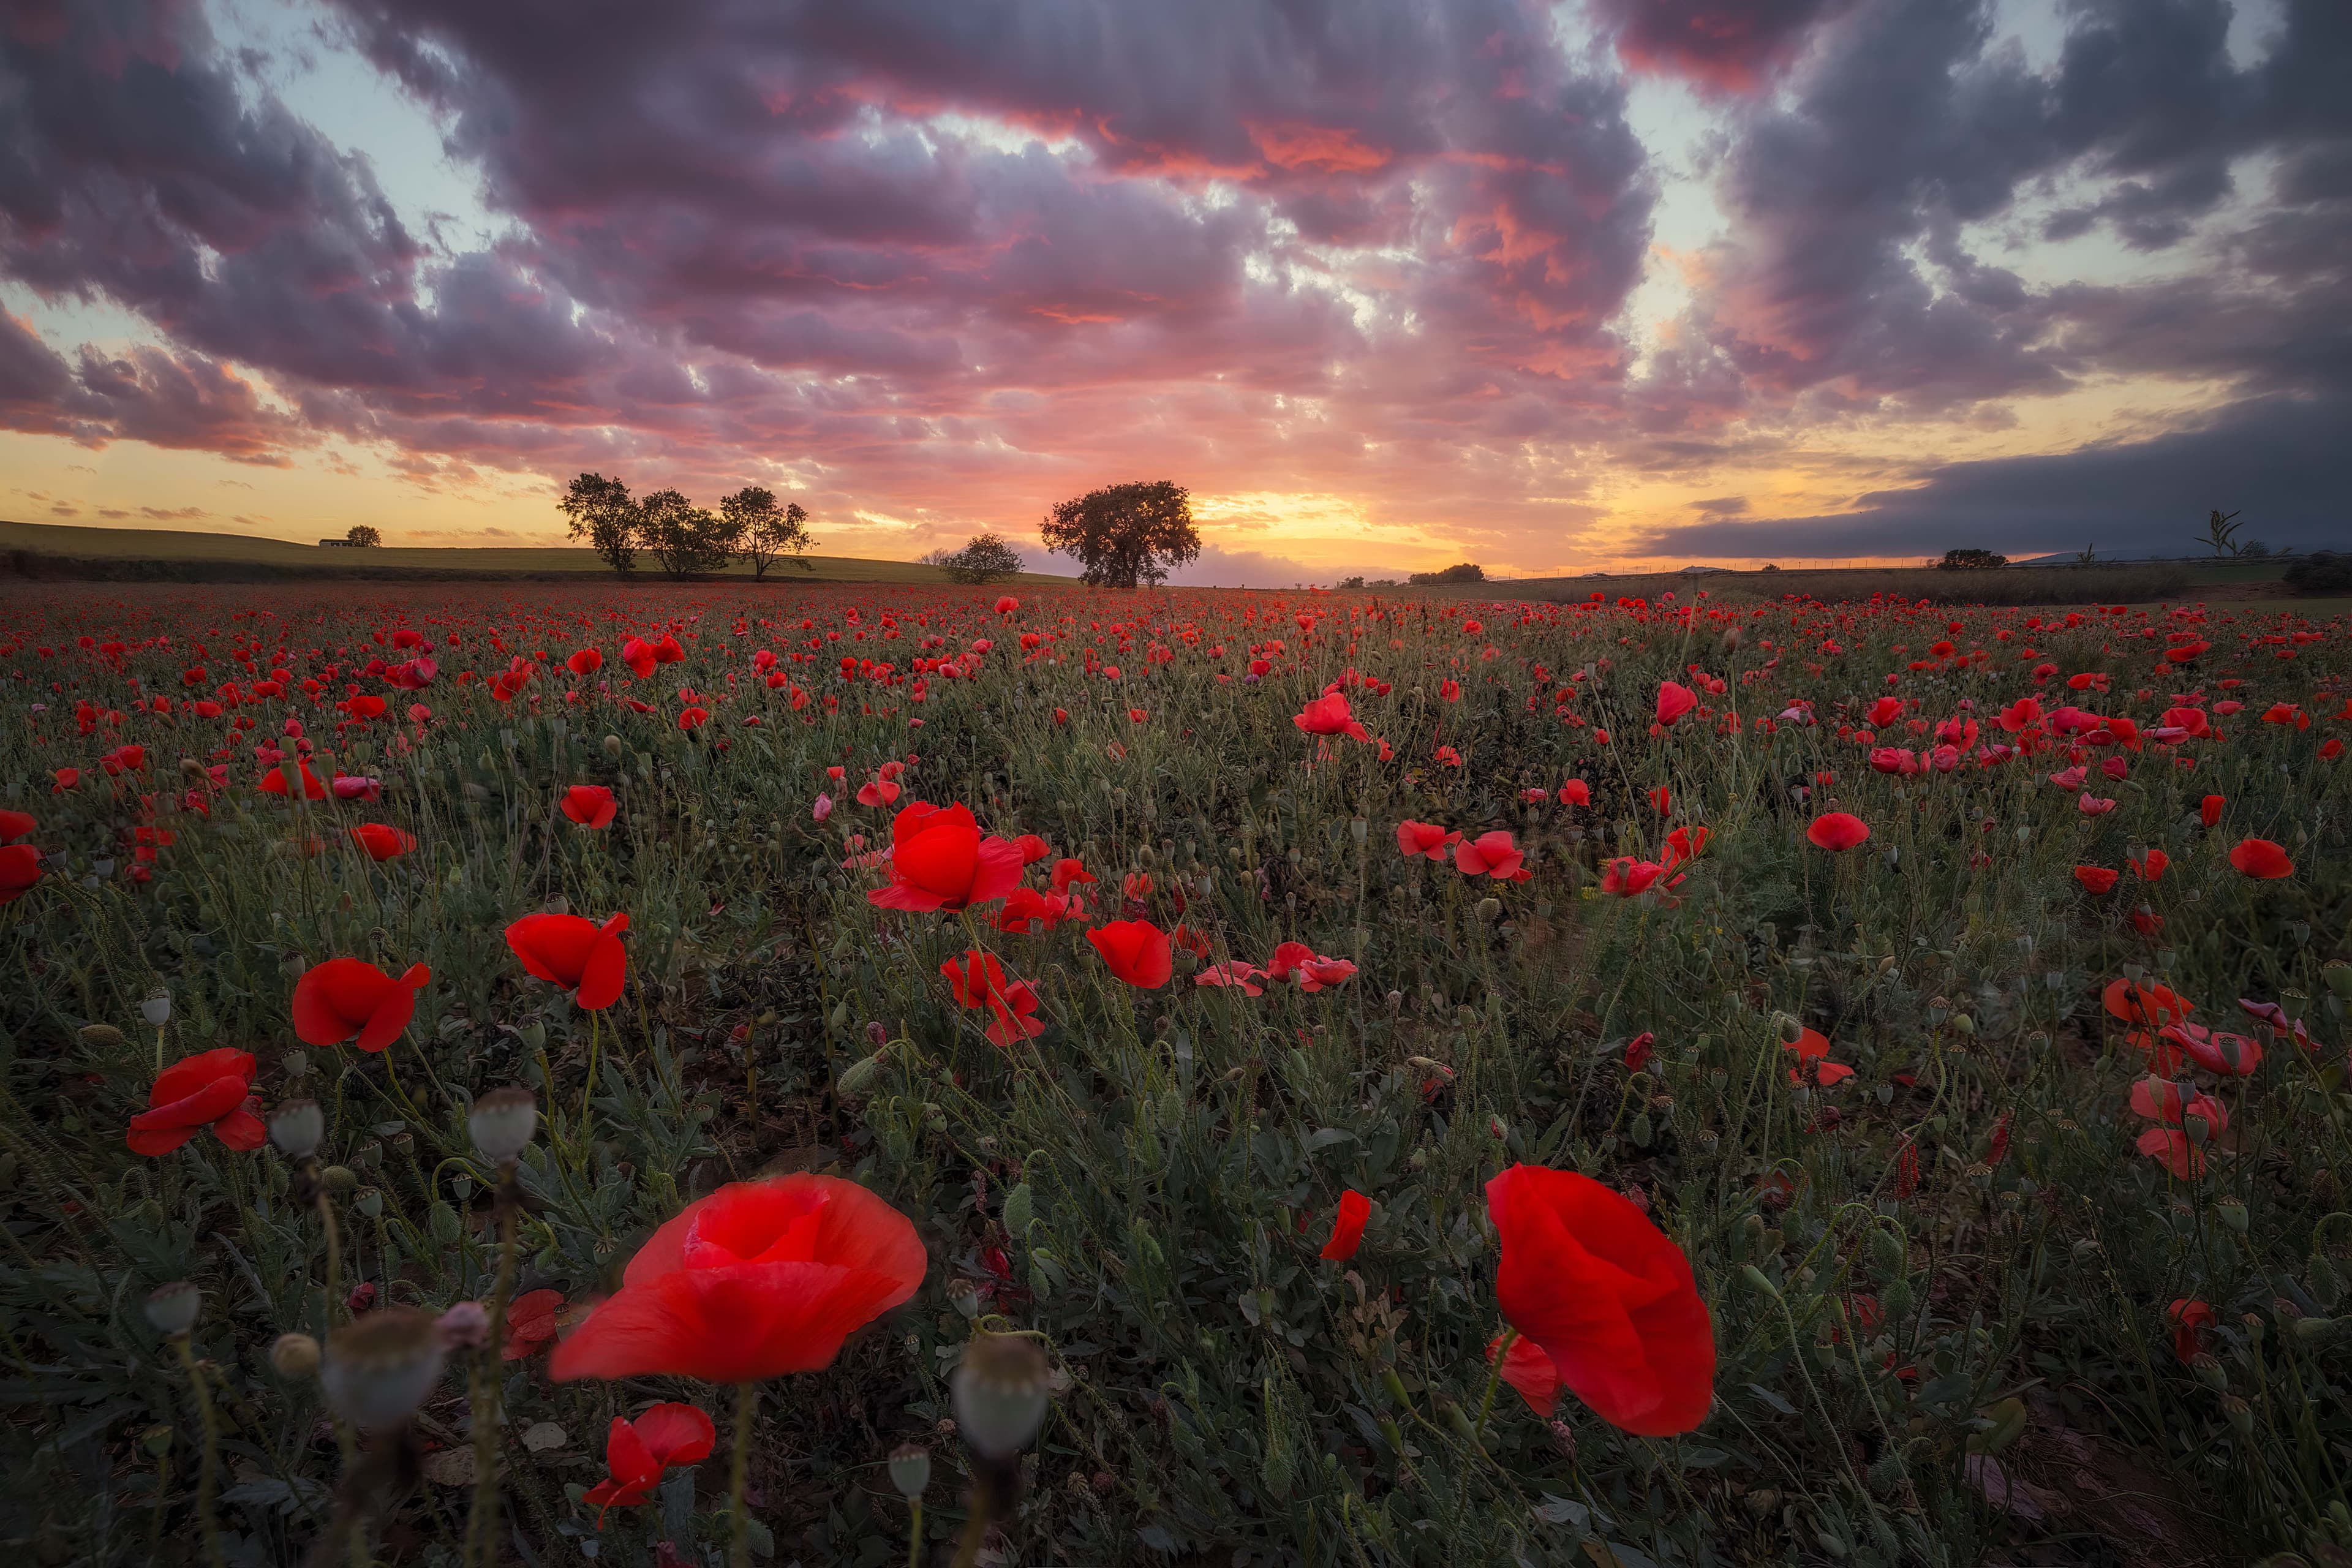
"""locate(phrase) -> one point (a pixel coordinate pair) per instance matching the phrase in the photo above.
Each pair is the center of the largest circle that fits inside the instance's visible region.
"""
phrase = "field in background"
(2133, 585)
(130, 554)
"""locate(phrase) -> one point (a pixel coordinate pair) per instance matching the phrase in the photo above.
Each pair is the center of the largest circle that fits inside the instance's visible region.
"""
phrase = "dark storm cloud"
(2278, 461)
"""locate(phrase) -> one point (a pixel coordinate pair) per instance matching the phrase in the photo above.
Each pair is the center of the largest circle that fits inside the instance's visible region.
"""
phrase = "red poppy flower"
(590, 805)
(208, 1090)
(575, 953)
(1026, 908)
(2261, 859)
(20, 868)
(1492, 855)
(1532, 1374)
(1426, 839)
(274, 782)
(1329, 715)
(1347, 1226)
(1626, 877)
(1639, 1049)
(65, 779)
(940, 861)
(2097, 879)
(586, 662)
(1588, 1278)
(2192, 1324)
(693, 718)
(351, 1000)
(1069, 873)
(1674, 701)
(1237, 973)
(2170, 1147)
(2209, 810)
(532, 1321)
(2215, 1050)
(15, 825)
(1007, 604)
(758, 1279)
(381, 842)
(1033, 849)
(2147, 868)
(1576, 792)
(1137, 951)
(1837, 831)
(878, 792)
(2145, 1006)
(638, 1452)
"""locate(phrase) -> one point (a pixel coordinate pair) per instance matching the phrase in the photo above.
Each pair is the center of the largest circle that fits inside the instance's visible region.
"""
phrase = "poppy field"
(872, 1074)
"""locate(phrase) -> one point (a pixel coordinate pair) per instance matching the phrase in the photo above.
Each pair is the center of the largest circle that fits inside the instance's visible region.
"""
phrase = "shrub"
(2321, 571)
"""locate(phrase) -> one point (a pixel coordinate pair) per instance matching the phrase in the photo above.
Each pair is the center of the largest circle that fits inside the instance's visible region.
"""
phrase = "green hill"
(58, 550)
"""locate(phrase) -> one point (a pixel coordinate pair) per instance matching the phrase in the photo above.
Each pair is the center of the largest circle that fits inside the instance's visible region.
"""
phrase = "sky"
(1387, 284)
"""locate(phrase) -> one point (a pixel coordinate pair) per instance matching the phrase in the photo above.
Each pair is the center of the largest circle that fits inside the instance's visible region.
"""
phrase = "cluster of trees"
(1972, 561)
(988, 557)
(1465, 571)
(681, 537)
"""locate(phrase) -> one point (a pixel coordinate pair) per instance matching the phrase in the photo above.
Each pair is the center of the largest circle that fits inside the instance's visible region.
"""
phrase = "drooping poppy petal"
(350, 1000)
(1348, 1225)
(1137, 951)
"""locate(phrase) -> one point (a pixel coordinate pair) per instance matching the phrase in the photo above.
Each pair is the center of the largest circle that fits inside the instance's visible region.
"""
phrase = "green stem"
(915, 1533)
(481, 1523)
(334, 1253)
(589, 1088)
(739, 1464)
(1493, 1378)
(208, 1475)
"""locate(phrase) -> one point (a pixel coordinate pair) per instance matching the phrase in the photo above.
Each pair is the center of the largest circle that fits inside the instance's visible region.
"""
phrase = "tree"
(988, 557)
(2219, 532)
(1970, 560)
(680, 536)
(1463, 571)
(764, 533)
(1126, 534)
(602, 513)
(2321, 571)
(366, 535)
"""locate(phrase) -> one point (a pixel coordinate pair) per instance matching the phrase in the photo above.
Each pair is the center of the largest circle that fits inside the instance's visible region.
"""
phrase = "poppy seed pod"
(502, 1123)
(297, 1127)
(1790, 1030)
(911, 1469)
(171, 1310)
(156, 1007)
(295, 1357)
(101, 1037)
(999, 1393)
(379, 1368)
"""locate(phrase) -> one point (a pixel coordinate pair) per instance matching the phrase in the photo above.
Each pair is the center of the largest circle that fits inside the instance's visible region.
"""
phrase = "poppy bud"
(339, 1179)
(840, 1018)
(857, 1079)
(171, 1310)
(156, 1007)
(2314, 1330)
(297, 1126)
(911, 1469)
(613, 745)
(999, 1393)
(1788, 1029)
(1758, 1281)
(465, 1326)
(102, 1036)
(1886, 1253)
(379, 1367)
(295, 1357)
(1020, 1206)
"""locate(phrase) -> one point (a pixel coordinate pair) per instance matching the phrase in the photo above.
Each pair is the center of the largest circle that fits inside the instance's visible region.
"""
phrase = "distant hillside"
(61, 552)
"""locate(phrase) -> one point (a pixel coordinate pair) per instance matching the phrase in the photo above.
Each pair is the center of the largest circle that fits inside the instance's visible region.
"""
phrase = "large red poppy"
(590, 805)
(15, 825)
(1837, 831)
(208, 1090)
(758, 1279)
(938, 860)
(573, 953)
(2260, 859)
(351, 1000)
(1674, 700)
(382, 842)
(1137, 951)
(1588, 1278)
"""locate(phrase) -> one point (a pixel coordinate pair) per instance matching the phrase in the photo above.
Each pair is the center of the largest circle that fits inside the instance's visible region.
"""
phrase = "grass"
(57, 549)
(2024, 585)
(1949, 1295)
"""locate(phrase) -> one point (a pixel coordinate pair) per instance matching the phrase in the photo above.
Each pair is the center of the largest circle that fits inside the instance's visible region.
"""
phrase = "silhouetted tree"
(601, 513)
(680, 536)
(1126, 534)
(366, 535)
(1465, 571)
(988, 557)
(762, 532)
(2220, 531)
(1970, 560)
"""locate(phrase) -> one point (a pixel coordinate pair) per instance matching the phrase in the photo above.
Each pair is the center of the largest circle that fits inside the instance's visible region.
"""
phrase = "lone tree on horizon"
(364, 535)
(1126, 534)
(764, 533)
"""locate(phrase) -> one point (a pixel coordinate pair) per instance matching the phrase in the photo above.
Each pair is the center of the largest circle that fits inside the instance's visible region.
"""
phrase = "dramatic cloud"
(931, 266)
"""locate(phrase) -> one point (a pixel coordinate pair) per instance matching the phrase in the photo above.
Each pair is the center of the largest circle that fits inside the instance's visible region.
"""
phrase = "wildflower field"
(839, 1074)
